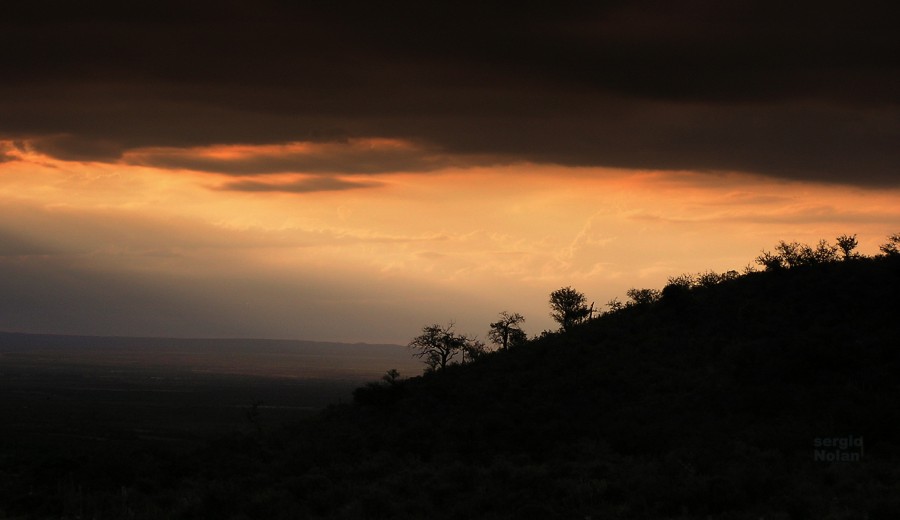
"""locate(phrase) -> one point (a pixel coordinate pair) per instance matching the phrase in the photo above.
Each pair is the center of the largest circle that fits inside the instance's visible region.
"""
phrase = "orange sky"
(338, 171)
(141, 246)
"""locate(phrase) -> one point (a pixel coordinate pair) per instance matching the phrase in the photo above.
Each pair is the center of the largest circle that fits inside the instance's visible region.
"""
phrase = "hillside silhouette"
(768, 395)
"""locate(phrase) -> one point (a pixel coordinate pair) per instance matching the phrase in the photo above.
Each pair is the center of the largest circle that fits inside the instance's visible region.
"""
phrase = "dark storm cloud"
(799, 90)
(78, 147)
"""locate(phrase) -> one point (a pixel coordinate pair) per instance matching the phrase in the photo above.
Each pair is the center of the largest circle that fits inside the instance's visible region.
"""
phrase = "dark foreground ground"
(74, 404)
(107, 407)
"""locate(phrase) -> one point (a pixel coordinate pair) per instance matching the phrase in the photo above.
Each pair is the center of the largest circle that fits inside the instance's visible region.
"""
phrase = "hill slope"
(713, 401)
(771, 395)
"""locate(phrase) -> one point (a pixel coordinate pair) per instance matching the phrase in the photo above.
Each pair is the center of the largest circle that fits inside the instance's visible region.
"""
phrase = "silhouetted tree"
(685, 281)
(794, 254)
(642, 296)
(791, 253)
(847, 243)
(438, 345)
(771, 261)
(507, 331)
(709, 279)
(569, 307)
(821, 254)
(675, 293)
(391, 377)
(706, 279)
(382, 392)
(892, 246)
(472, 349)
(615, 305)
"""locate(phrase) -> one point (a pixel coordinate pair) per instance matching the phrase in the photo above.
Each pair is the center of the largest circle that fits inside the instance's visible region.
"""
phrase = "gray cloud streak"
(307, 185)
(342, 157)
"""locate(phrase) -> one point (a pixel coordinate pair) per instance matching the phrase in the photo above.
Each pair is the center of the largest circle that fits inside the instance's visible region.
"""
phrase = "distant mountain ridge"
(283, 358)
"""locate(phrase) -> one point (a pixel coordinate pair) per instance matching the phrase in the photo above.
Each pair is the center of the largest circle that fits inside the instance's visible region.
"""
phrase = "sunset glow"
(402, 249)
(320, 171)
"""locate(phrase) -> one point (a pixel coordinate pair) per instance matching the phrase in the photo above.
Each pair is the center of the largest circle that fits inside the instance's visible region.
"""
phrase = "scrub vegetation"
(764, 394)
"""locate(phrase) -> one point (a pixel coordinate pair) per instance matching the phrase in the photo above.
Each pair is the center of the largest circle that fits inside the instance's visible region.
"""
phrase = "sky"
(355, 171)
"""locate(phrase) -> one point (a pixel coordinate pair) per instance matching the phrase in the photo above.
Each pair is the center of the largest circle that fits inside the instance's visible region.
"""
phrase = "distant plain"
(113, 394)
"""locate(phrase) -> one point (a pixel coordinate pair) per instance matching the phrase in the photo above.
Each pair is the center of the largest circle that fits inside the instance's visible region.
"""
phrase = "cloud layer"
(809, 90)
